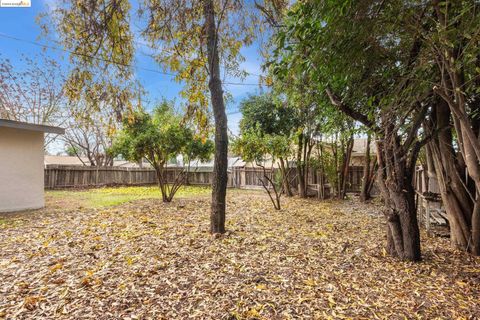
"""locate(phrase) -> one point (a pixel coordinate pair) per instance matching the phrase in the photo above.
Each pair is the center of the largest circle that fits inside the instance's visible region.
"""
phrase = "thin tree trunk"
(285, 173)
(345, 168)
(187, 178)
(219, 183)
(365, 192)
(161, 182)
(302, 188)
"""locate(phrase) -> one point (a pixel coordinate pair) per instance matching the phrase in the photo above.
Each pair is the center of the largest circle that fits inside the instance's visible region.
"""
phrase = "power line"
(45, 46)
(149, 55)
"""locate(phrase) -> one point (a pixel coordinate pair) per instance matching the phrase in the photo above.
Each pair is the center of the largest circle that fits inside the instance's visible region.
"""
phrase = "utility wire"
(45, 46)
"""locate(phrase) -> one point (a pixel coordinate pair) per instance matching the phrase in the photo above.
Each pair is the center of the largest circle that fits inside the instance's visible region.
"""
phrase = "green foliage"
(198, 148)
(73, 151)
(269, 114)
(362, 57)
(160, 137)
(254, 146)
(157, 137)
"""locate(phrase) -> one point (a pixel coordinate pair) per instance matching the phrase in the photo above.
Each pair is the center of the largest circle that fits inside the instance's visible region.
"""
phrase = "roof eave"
(30, 126)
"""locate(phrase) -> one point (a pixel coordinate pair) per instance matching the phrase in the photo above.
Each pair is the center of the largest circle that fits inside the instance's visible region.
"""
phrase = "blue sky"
(20, 23)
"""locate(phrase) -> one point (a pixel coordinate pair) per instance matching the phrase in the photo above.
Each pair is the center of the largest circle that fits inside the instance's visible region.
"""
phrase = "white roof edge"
(30, 126)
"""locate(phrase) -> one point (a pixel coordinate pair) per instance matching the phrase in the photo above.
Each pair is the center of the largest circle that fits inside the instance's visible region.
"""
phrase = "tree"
(33, 94)
(198, 41)
(363, 61)
(98, 37)
(157, 137)
(90, 133)
(341, 146)
(100, 86)
(454, 153)
(197, 148)
(270, 116)
(259, 148)
(368, 172)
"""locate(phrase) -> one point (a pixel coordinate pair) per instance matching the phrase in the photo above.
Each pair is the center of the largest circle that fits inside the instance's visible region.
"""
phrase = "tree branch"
(335, 100)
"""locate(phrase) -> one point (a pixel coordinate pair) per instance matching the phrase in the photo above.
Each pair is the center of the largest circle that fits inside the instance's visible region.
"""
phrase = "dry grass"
(148, 260)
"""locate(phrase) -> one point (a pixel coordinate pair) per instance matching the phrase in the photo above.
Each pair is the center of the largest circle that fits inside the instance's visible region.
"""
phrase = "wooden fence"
(429, 203)
(61, 176)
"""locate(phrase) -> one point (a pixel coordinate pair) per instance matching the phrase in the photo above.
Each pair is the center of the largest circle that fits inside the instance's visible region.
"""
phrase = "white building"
(22, 164)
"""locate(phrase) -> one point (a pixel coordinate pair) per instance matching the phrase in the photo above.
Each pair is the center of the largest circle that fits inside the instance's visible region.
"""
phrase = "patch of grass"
(113, 196)
(9, 222)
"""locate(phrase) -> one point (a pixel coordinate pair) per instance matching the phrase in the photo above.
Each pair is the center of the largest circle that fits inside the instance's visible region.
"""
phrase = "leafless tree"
(33, 93)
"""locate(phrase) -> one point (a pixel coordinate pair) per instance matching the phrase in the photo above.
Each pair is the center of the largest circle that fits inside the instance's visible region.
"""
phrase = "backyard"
(121, 253)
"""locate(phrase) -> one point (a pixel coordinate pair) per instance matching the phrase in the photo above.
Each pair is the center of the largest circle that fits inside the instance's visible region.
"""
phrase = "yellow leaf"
(253, 313)
(260, 286)
(56, 267)
(331, 301)
(310, 282)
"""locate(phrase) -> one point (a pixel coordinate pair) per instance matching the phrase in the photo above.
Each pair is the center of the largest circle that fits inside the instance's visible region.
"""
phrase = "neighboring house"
(65, 160)
(357, 159)
(358, 152)
(198, 166)
(21, 164)
(83, 161)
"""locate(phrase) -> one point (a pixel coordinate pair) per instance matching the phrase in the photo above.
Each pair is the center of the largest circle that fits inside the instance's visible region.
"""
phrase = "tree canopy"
(158, 138)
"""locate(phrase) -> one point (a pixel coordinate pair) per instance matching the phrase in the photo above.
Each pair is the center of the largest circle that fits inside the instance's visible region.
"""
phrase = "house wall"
(21, 169)
(358, 160)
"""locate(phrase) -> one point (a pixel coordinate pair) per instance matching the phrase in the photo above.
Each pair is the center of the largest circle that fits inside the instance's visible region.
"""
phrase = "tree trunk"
(407, 243)
(345, 168)
(449, 173)
(452, 80)
(396, 164)
(285, 176)
(365, 192)
(302, 188)
(403, 235)
(187, 177)
(219, 184)
(161, 183)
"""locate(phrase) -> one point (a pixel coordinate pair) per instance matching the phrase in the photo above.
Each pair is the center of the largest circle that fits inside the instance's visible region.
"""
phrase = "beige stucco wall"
(21, 169)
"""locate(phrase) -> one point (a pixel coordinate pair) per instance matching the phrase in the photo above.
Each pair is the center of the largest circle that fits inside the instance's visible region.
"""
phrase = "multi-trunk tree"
(160, 137)
(270, 115)
(453, 47)
(363, 61)
(263, 150)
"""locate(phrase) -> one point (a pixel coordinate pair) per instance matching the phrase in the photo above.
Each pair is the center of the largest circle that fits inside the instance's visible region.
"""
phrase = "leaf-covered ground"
(148, 260)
